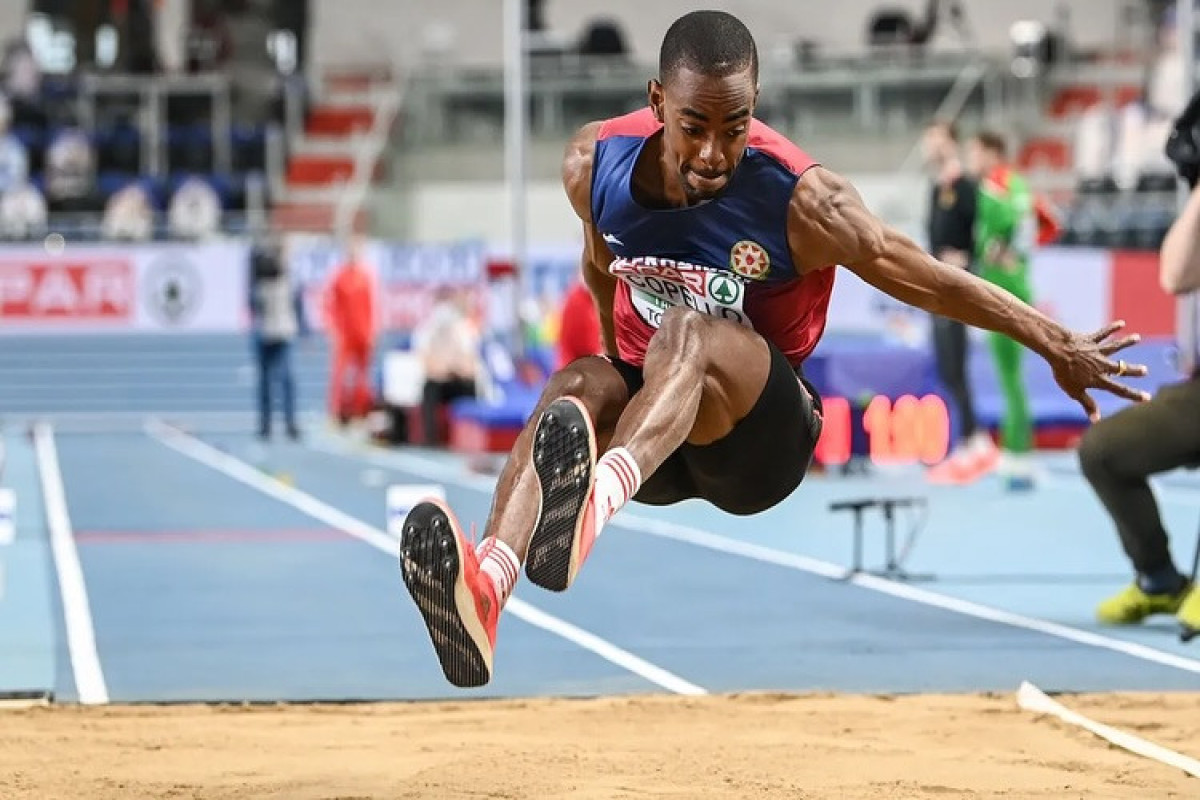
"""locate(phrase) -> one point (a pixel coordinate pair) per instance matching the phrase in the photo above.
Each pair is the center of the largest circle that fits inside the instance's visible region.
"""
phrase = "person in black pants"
(277, 312)
(951, 223)
(1119, 453)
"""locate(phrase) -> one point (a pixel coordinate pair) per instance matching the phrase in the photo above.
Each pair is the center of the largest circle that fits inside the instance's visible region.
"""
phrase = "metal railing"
(858, 92)
(368, 149)
(152, 93)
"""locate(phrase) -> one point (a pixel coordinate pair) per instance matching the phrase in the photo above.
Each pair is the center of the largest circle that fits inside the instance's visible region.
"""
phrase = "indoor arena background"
(156, 548)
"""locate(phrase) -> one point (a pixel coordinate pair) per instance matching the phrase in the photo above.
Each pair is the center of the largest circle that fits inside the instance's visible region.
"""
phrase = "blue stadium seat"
(119, 148)
(189, 148)
(249, 145)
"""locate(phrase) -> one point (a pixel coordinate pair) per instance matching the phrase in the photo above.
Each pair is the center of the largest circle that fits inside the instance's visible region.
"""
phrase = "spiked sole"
(431, 563)
(564, 458)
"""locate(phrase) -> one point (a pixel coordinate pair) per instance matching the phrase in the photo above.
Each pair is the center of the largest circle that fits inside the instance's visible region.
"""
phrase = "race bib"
(657, 284)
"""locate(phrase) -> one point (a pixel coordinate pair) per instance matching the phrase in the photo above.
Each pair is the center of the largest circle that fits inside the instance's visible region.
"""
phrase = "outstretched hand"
(1085, 362)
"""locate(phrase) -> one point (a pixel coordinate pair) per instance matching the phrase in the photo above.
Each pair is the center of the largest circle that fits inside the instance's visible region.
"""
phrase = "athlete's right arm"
(577, 180)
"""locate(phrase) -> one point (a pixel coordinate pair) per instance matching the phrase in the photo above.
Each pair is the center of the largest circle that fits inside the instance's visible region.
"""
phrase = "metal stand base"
(892, 568)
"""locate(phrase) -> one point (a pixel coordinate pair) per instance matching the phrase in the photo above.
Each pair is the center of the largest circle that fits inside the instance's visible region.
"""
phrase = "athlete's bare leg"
(459, 589)
(701, 377)
(601, 389)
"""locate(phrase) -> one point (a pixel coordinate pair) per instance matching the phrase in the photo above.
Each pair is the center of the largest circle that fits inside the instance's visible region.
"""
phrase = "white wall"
(450, 210)
(12, 18)
(358, 30)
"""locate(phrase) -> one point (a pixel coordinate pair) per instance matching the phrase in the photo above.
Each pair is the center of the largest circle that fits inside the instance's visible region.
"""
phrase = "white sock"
(501, 565)
(617, 479)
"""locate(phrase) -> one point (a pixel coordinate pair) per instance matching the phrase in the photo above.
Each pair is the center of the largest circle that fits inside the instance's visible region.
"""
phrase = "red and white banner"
(152, 288)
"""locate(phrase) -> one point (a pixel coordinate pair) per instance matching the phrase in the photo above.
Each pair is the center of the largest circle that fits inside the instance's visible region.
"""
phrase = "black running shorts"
(758, 463)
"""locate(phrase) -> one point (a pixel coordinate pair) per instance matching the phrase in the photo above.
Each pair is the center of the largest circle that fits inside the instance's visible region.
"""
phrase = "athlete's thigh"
(735, 361)
(767, 454)
(669, 484)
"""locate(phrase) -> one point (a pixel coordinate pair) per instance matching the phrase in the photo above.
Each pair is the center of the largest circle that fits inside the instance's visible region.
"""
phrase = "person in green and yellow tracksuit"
(1006, 233)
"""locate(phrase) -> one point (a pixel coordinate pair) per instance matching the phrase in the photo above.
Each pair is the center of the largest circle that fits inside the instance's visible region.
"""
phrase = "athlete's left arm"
(828, 224)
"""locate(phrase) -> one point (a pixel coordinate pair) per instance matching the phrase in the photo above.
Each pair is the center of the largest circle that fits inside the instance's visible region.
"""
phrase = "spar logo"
(724, 289)
(65, 290)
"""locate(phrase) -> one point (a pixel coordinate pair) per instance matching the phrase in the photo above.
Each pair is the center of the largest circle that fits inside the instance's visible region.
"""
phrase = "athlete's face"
(705, 122)
(936, 147)
(980, 159)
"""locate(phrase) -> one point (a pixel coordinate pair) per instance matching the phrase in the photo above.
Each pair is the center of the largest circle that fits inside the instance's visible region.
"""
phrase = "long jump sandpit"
(754, 746)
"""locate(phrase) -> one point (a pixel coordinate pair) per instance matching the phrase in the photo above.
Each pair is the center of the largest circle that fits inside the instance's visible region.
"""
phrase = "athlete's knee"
(1096, 453)
(570, 380)
(682, 338)
(593, 380)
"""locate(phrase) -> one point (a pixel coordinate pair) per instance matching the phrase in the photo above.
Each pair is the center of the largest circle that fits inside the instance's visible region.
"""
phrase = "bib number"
(658, 284)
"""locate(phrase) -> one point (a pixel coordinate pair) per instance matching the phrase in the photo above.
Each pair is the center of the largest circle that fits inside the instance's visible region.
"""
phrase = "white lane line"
(431, 469)
(1031, 698)
(77, 611)
(238, 470)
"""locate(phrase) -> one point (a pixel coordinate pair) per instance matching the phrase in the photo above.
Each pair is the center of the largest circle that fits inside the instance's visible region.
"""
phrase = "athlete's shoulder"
(640, 123)
(770, 142)
(577, 168)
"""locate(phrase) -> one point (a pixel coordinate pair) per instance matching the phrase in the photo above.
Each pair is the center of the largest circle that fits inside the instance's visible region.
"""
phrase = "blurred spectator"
(22, 76)
(23, 213)
(277, 314)
(579, 329)
(1094, 143)
(209, 41)
(129, 215)
(448, 344)
(350, 315)
(70, 171)
(195, 210)
(14, 161)
(139, 46)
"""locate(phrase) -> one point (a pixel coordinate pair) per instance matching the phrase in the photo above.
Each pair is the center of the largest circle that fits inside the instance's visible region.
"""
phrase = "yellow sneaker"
(1131, 605)
(1189, 614)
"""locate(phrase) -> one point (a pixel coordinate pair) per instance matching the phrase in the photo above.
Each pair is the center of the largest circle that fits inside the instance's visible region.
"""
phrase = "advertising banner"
(152, 288)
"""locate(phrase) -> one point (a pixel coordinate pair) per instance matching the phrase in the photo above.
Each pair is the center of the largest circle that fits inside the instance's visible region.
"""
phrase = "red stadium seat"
(1044, 154)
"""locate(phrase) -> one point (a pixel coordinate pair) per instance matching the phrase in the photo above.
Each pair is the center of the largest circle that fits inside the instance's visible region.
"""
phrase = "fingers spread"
(1108, 348)
(1121, 390)
(1108, 330)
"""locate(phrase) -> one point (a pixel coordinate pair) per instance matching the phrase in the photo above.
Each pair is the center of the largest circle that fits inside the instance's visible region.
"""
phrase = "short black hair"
(712, 43)
(991, 140)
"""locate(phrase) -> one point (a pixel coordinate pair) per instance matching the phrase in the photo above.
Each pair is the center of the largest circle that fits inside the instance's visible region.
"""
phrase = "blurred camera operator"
(277, 312)
(1119, 453)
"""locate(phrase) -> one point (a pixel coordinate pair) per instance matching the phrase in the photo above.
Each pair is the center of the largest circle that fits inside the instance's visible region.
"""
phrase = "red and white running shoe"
(456, 599)
(564, 458)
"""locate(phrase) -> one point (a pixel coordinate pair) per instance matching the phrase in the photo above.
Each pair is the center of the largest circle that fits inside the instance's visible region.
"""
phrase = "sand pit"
(747, 746)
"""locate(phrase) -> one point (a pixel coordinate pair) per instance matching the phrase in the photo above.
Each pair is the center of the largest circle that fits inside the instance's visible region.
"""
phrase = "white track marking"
(77, 612)
(431, 469)
(1031, 698)
(238, 470)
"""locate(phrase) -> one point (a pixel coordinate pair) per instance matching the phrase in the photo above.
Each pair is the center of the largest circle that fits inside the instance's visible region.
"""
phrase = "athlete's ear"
(656, 96)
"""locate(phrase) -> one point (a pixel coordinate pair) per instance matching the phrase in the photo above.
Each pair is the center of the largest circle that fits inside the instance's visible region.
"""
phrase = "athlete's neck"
(655, 182)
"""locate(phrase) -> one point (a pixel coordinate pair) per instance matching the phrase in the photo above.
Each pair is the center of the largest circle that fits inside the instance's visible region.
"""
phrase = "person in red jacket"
(350, 309)
(579, 329)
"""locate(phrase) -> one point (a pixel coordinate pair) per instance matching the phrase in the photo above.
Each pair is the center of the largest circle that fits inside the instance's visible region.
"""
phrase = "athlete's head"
(939, 145)
(705, 94)
(986, 151)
